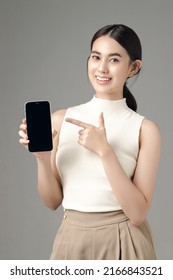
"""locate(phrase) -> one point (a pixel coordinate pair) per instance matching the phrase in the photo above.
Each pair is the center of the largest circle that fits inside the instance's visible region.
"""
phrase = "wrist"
(105, 151)
(43, 157)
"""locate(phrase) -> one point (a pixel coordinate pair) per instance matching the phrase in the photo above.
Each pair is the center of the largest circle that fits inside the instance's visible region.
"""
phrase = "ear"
(135, 67)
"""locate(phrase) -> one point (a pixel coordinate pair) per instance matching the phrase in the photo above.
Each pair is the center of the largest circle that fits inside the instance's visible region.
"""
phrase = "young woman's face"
(109, 67)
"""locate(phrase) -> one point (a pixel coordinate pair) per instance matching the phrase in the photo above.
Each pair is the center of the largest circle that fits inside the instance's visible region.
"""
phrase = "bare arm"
(49, 183)
(133, 196)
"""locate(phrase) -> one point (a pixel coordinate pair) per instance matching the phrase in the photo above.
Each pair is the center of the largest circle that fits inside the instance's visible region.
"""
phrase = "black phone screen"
(39, 126)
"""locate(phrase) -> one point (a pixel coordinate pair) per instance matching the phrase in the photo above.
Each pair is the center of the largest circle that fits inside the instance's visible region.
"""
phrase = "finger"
(24, 121)
(77, 122)
(23, 134)
(81, 138)
(81, 132)
(24, 141)
(81, 141)
(23, 126)
(101, 121)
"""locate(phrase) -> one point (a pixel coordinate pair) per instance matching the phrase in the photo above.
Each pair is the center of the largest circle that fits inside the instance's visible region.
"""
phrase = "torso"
(85, 186)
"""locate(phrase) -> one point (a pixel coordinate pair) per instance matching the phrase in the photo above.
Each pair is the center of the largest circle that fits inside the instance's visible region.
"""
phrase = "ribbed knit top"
(85, 184)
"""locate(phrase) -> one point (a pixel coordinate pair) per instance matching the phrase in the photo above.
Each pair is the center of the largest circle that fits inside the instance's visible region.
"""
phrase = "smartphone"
(39, 127)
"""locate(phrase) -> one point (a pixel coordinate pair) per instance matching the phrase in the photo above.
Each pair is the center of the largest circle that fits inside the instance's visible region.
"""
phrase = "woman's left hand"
(91, 137)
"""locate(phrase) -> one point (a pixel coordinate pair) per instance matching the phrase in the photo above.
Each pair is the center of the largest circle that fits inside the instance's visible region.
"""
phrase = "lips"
(103, 79)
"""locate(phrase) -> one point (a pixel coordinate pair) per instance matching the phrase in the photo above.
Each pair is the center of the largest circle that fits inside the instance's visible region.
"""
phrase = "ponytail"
(130, 100)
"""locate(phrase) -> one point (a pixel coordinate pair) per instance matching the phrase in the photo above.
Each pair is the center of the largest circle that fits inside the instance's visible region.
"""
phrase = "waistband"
(94, 219)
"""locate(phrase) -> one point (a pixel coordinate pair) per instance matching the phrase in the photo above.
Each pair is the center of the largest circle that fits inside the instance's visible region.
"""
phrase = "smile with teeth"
(103, 79)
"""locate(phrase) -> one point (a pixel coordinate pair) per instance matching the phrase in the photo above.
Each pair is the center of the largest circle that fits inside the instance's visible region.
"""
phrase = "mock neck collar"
(107, 104)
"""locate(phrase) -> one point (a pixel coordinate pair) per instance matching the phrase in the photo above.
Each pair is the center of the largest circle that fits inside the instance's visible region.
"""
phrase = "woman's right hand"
(23, 134)
(25, 141)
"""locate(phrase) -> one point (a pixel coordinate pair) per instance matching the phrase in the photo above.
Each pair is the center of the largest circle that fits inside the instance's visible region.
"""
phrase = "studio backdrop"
(44, 45)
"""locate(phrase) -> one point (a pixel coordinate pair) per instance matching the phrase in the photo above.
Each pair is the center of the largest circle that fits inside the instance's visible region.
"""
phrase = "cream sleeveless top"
(85, 185)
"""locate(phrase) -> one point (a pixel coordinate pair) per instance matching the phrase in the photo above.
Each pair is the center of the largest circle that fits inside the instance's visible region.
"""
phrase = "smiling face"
(109, 66)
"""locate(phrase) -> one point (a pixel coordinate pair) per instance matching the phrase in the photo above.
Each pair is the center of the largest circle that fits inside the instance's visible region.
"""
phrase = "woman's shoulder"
(59, 114)
(150, 126)
(150, 132)
(57, 118)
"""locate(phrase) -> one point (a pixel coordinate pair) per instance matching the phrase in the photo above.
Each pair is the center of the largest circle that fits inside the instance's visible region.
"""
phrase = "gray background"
(44, 46)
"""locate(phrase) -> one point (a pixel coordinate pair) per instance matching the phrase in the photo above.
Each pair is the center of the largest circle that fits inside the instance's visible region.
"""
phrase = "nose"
(103, 68)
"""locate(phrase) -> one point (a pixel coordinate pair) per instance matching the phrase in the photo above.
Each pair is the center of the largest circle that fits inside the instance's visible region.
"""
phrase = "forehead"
(106, 45)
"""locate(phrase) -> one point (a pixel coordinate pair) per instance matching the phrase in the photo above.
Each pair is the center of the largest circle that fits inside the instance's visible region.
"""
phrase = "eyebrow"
(111, 54)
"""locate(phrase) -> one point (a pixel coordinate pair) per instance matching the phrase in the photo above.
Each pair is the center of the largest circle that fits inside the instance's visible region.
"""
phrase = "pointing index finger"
(77, 122)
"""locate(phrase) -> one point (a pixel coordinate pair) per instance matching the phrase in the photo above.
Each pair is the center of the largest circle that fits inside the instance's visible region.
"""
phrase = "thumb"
(101, 121)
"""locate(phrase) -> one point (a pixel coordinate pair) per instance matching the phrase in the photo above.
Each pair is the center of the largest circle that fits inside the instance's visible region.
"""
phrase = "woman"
(105, 168)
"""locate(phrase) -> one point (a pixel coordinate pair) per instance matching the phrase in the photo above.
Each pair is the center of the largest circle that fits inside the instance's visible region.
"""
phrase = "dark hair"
(130, 41)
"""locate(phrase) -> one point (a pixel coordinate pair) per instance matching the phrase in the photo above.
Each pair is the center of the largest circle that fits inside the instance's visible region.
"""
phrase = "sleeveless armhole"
(62, 126)
(139, 135)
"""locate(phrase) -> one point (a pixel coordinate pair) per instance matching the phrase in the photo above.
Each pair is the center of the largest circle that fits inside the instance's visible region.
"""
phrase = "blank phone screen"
(39, 126)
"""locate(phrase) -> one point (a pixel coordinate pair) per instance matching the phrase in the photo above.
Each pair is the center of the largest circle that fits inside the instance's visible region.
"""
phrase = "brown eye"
(95, 57)
(114, 60)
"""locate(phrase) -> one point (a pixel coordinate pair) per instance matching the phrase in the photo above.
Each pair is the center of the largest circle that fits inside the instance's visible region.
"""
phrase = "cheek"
(91, 70)
(91, 66)
(121, 71)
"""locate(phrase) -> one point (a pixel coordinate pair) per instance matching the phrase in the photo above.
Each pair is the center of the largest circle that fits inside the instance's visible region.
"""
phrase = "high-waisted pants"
(102, 236)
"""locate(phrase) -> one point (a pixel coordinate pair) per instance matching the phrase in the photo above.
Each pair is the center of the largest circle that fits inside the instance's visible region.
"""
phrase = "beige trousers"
(102, 236)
